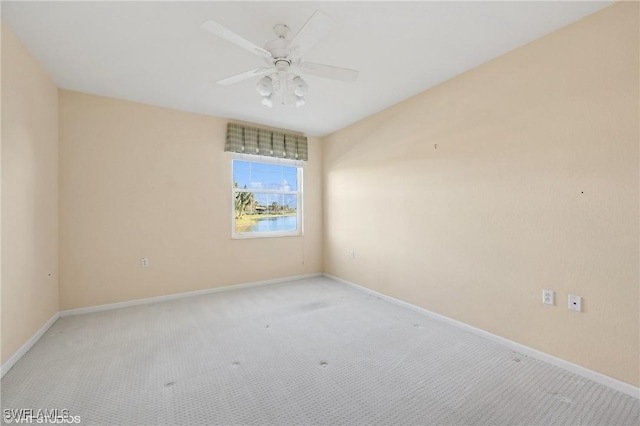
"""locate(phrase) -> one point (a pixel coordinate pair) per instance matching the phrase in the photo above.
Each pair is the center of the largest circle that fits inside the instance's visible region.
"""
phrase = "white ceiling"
(156, 53)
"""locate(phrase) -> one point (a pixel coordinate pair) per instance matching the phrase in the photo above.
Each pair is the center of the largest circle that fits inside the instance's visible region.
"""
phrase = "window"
(267, 198)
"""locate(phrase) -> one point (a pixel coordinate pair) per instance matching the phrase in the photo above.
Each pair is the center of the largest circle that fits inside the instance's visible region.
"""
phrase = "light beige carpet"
(303, 352)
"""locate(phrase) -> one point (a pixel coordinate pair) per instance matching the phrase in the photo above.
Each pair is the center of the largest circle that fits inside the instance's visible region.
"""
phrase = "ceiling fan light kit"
(282, 76)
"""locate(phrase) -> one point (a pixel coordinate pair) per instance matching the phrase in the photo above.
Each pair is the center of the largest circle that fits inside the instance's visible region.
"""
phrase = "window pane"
(262, 201)
(290, 179)
(241, 173)
(268, 213)
(266, 176)
(271, 213)
(290, 204)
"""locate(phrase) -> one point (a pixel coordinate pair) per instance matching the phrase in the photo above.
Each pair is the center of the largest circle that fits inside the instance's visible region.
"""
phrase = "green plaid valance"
(251, 140)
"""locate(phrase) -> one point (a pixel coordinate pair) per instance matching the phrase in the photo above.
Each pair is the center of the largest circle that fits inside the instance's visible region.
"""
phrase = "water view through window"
(266, 198)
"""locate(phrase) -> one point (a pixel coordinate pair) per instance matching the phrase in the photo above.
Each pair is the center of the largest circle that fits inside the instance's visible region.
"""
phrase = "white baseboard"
(157, 299)
(28, 344)
(526, 350)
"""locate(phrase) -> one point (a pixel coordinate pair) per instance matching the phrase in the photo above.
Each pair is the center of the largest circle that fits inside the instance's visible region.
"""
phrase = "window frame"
(299, 165)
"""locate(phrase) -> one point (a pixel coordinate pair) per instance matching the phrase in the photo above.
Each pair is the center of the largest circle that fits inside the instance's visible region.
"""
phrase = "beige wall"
(29, 195)
(142, 181)
(533, 184)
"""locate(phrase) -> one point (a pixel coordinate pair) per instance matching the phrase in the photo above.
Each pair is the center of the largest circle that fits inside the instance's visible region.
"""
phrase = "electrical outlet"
(352, 254)
(575, 303)
(144, 262)
(548, 297)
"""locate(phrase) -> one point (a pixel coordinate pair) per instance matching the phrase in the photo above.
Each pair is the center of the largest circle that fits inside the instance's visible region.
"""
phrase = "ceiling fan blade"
(214, 28)
(243, 76)
(313, 30)
(327, 71)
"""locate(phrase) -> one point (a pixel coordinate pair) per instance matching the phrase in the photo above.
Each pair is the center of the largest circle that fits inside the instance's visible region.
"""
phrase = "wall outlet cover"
(548, 297)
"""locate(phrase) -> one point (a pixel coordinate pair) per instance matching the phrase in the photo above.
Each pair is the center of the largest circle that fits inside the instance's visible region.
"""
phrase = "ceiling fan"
(283, 55)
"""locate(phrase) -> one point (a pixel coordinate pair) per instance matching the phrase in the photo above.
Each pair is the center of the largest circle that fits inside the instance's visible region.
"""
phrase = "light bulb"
(266, 101)
(301, 86)
(265, 86)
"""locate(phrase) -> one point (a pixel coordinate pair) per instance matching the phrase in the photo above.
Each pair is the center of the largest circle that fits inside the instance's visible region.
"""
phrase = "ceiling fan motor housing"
(281, 30)
(277, 48)
(282, 64)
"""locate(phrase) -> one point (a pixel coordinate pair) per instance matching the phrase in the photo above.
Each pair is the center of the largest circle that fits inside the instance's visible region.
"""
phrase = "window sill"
(254, 235)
